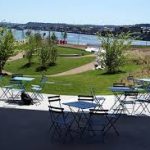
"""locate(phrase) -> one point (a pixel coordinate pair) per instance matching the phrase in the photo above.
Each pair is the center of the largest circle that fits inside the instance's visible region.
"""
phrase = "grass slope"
(63, 64)
(81, 83)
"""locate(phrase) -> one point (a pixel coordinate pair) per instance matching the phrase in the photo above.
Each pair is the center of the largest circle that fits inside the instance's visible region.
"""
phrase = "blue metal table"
(23, 78)
(119, 93)
(80, 114)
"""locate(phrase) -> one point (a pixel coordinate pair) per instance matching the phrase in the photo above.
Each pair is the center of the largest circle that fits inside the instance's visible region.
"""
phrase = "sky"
(99, 12)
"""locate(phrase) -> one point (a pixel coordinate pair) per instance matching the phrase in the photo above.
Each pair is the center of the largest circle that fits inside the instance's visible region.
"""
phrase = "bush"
(6, 46)
(113, 57)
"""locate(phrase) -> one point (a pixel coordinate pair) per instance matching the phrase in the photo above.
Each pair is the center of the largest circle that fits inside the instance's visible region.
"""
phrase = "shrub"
(6, 46)
(114, 47)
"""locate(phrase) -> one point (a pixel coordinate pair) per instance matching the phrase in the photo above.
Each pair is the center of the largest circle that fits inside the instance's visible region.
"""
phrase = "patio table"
(23, 83)
(81, 107)
(146, 82)
(119, 93)
(23, 79)
(9, 90)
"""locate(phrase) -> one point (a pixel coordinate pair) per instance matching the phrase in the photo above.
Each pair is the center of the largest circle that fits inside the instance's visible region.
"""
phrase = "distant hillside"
(139, 31)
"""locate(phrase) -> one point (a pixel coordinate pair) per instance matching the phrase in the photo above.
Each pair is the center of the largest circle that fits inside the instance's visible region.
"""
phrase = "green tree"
(34, 43)
(64, 35)
(38, 40)
(31, 48)
(53, 54)
(52, 47)
(47, 53)
(53, 37)
(114, 47)
(44, 55)
(6, 46)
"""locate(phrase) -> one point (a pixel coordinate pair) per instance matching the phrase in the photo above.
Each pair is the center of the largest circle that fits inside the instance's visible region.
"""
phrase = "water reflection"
(72, 38)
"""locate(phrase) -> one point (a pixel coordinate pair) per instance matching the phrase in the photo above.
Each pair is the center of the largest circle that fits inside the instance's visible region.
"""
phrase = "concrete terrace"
(27, 128)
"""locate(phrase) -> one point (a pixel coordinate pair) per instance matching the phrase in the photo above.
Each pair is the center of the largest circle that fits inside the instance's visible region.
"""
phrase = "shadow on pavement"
(29, 130)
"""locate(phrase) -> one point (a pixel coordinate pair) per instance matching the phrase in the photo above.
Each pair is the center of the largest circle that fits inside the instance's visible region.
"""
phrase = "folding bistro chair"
(119, 84)
(99, 100)
(100, 122)
(1, 87)
(128, 99)
(113, 116)
(134, 82)
(118, 95)
(143, 102)
(37, 89)
(88, 98)
(84, 98)
(60, 123)
(18, 86)
(13, 89)
(55, 100)
(16, 75)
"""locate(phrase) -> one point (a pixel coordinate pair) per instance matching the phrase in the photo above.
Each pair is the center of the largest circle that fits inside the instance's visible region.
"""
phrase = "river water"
(72, 38)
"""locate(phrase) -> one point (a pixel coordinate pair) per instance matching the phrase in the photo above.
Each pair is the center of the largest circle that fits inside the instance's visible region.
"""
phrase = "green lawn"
(61, 50)
(81, 83)
(63, 64)
(64, 50)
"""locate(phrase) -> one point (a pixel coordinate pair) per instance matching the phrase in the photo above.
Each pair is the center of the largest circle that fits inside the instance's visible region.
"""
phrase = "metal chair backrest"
(98, 115)
(118, 84)
(56, 113)
(44, 79)
(138, 83)
(55, 99)
(86, 98)
(98, 99)
(16, 75)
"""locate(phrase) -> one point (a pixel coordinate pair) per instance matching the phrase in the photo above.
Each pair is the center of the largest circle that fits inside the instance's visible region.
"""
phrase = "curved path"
(12, 58)
(81, 69)
(16, 57)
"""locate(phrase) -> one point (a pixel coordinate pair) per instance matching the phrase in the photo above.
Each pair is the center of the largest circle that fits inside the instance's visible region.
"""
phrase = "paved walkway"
(30, 130)
(21, 128)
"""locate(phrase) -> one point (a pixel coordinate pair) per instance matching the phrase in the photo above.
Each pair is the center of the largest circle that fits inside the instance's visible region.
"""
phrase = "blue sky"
(76, 11)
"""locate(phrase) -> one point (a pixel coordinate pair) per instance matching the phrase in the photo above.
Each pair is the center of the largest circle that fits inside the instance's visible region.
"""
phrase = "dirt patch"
(145, 50)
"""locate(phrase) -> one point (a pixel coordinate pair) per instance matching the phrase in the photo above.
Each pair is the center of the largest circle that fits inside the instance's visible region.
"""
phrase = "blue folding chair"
(13, 90)
(37, 89)
(60, 127)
